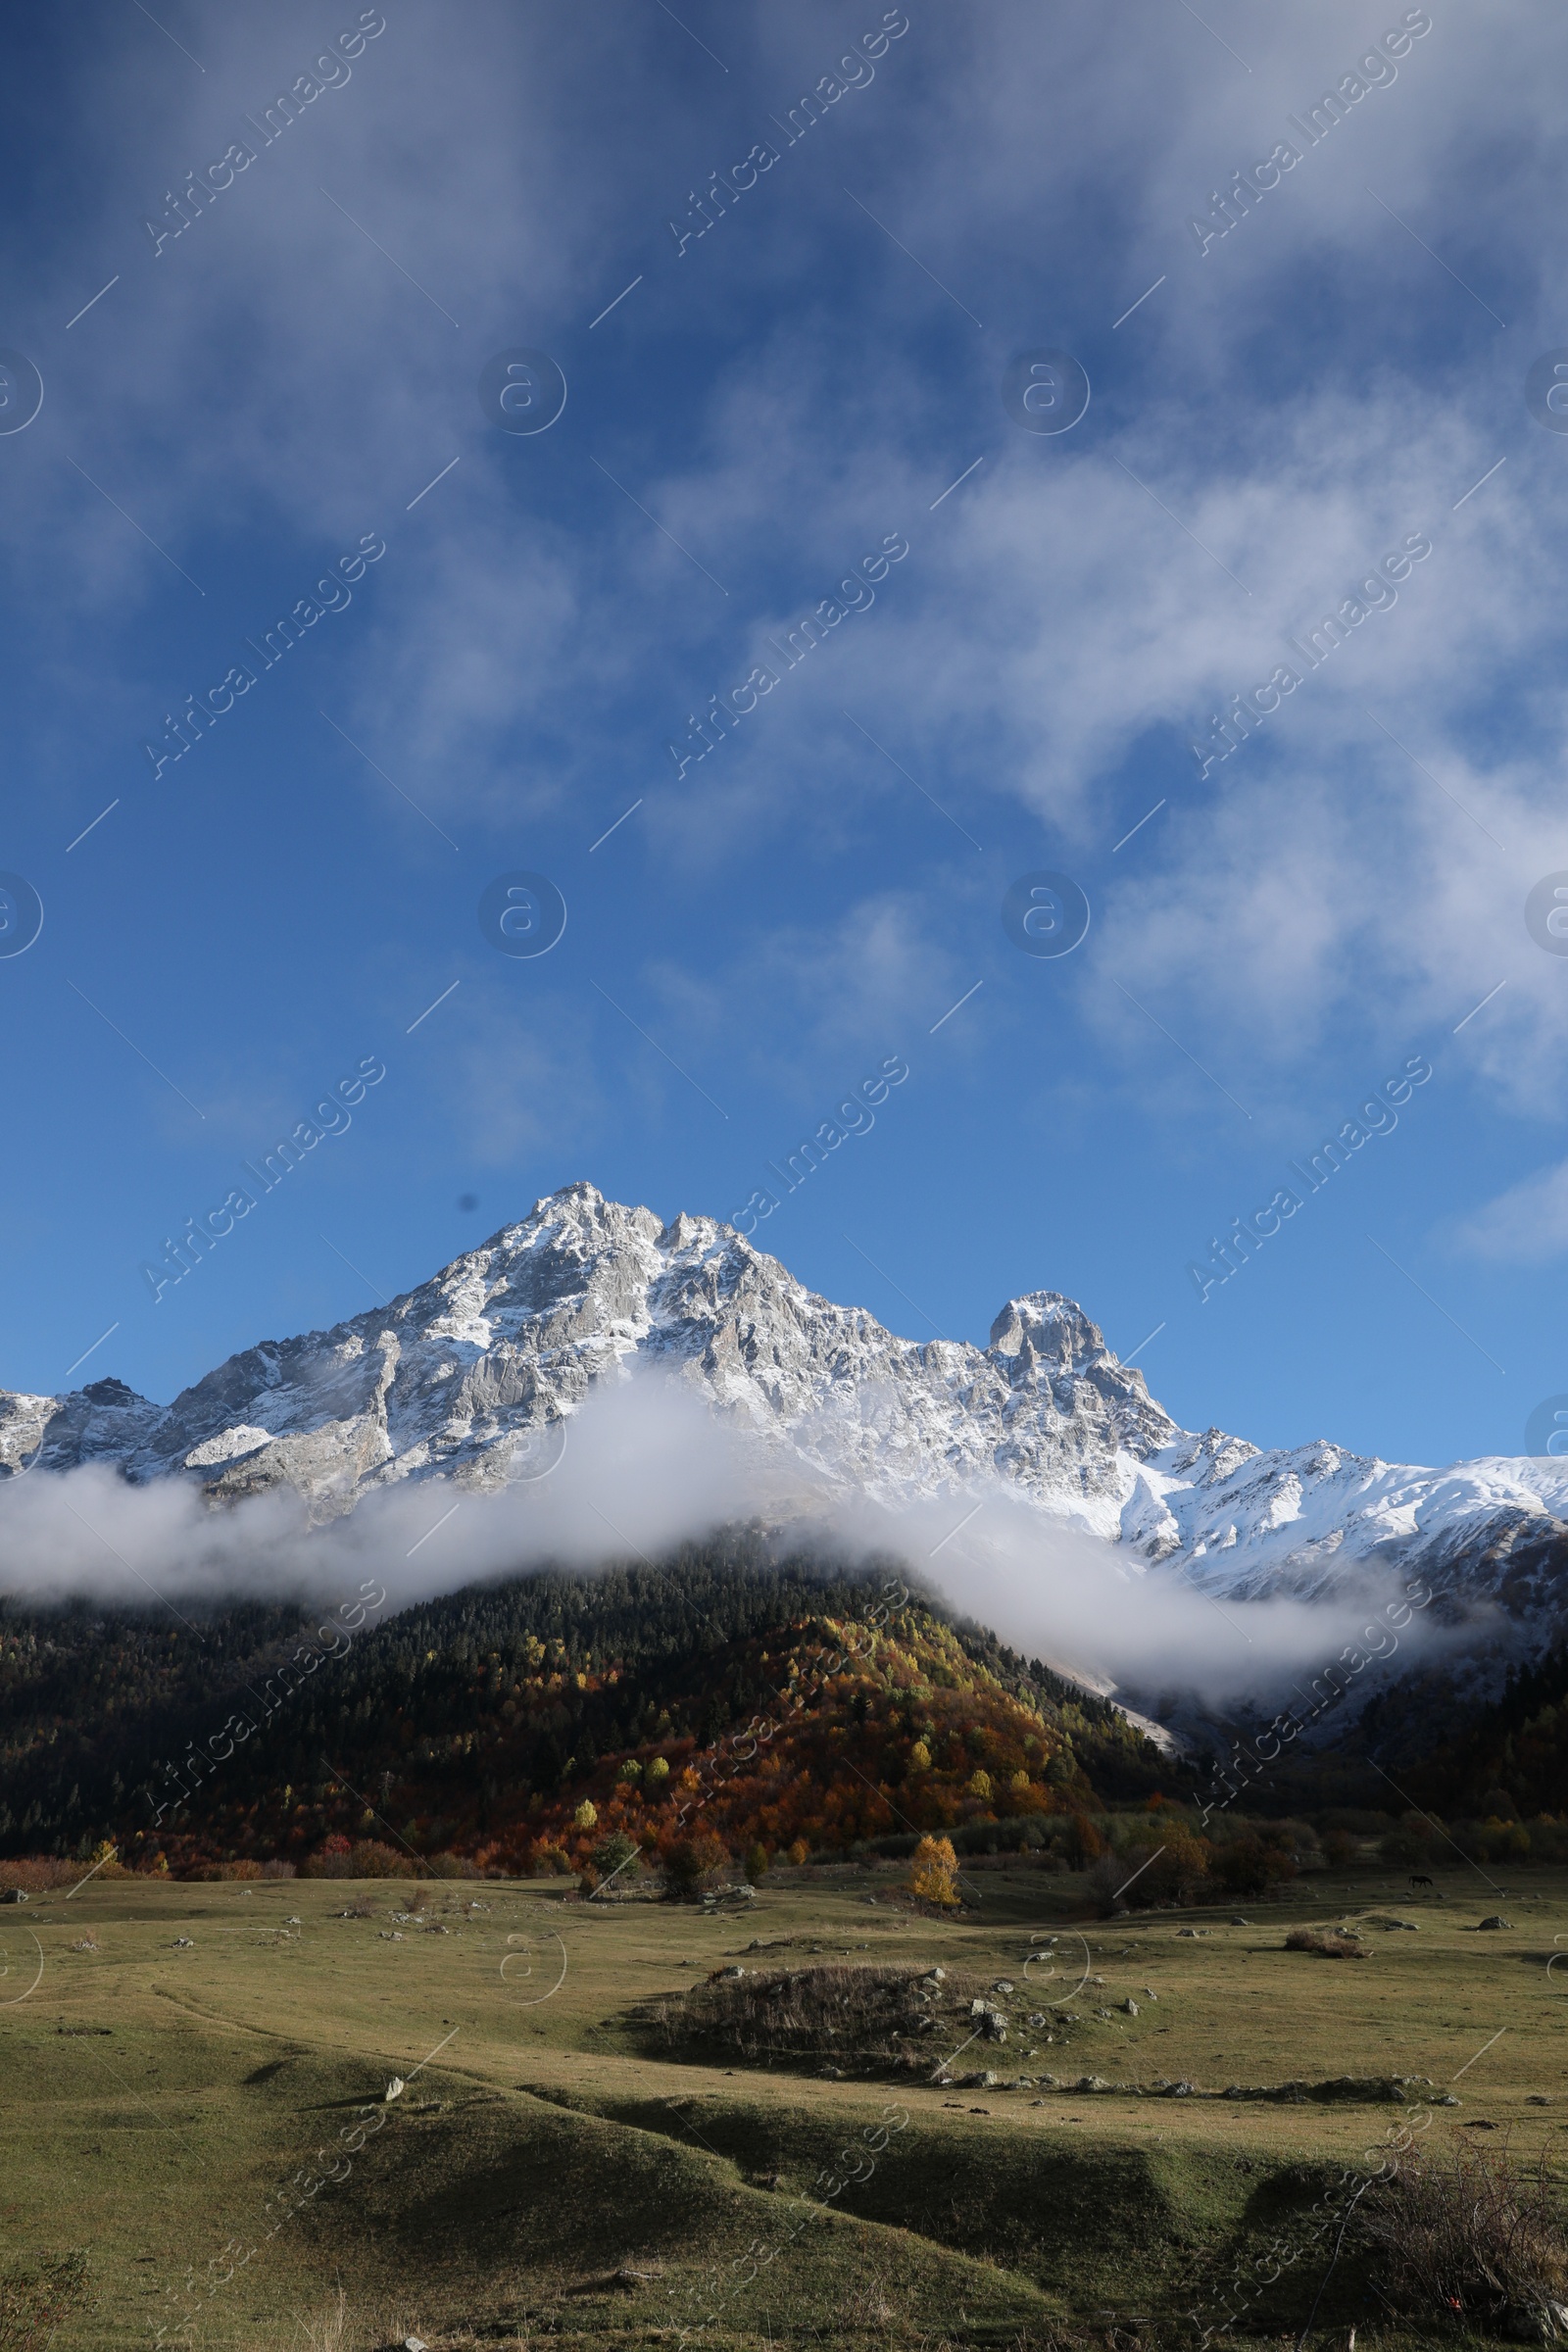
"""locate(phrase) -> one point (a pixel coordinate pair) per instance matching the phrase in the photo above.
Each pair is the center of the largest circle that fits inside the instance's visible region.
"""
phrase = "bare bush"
(1473, 2239)
(39, 1873)
(1328, 1942)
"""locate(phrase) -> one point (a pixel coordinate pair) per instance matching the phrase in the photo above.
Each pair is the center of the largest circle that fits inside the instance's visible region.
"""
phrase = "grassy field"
(194, 2061)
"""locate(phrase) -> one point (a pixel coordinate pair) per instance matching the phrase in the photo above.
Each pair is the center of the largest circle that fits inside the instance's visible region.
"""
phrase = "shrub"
(1245, 1865)
(1106, 1884)
(1411, 1841)
(333, 1861)
(1339, 1849)
(1470, 2240)
(1328, 1942)
(374, 1858)
(936, 1868)
(1142, 1874)
(1085, 1845)
(450, 1866)
(617, 1857)
(690, 1860)
(39, 1873)
(756, 1864)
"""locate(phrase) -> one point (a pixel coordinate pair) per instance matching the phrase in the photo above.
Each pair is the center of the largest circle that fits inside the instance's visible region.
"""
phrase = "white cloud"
(1050, 622)
(1526, 1225)
(647, 1466)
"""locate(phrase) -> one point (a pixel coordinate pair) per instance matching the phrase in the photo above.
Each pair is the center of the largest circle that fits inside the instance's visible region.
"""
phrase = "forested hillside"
(785, 1704)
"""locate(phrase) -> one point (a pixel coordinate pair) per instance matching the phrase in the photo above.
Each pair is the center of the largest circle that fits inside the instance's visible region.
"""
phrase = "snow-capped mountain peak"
(447, 1380)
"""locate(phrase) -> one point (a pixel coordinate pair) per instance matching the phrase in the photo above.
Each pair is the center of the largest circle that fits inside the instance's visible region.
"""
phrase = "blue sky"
(754, 414)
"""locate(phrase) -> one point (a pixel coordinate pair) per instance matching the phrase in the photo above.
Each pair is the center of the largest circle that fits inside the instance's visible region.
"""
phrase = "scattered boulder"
(1129, 2006)
(1493, 1919)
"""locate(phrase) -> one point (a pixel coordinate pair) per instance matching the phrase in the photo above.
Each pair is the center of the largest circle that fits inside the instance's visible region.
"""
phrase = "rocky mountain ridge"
(473, 1378)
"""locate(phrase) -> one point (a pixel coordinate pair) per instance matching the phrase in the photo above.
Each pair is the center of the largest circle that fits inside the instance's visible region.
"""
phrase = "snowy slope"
(510, 1339)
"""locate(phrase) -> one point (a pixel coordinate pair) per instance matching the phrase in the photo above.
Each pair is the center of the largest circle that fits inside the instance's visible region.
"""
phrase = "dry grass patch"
(1330, 1943)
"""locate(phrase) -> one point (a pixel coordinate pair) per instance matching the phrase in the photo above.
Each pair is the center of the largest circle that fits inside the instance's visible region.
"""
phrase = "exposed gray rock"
(498, 1349)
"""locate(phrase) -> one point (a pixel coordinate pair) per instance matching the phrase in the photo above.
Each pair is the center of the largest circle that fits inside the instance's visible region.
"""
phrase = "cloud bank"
(645, 1468)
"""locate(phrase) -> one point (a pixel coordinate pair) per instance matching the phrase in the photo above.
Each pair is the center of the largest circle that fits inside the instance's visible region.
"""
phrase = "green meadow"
(196, 2134)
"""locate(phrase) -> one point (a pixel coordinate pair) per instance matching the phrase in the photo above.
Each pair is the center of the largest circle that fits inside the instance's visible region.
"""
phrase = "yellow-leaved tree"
(934, 1870)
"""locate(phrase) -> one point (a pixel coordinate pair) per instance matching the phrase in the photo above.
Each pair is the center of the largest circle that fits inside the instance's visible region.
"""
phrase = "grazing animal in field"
(1416, 1880)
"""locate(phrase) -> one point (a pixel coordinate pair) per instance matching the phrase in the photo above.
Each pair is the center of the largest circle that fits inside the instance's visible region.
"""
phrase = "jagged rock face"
(518, 1333)
(521, 1329)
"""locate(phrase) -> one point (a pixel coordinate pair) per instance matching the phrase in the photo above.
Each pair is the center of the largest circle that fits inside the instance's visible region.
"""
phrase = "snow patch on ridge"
(518, 1332)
